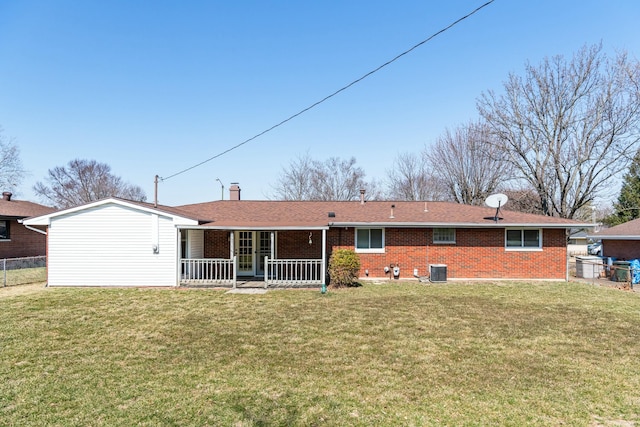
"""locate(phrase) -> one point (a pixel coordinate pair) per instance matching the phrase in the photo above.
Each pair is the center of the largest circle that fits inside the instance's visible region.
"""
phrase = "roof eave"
(252, 228)
(491, 224)
(613, 237)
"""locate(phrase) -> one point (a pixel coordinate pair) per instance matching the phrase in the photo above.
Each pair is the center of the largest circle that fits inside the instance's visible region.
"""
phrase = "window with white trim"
(524, 238)
(444, 235)
(4, 230)
(369, 239)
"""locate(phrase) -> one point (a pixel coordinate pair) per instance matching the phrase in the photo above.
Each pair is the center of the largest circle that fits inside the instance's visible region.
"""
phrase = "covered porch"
(267, 258)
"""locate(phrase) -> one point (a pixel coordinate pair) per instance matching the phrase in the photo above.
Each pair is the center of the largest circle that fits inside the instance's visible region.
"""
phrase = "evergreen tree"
(628, 205)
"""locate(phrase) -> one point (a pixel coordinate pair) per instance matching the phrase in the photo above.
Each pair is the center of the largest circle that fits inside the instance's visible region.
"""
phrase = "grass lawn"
(23, 276)
(407, 355)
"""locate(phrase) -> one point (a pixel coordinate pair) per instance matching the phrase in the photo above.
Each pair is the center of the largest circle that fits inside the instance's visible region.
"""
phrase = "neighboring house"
(622, 241)
(578, 244)
(16, 241)
(285, 243)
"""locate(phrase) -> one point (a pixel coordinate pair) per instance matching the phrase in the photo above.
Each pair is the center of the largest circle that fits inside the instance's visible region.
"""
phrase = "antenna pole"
(221, 189)
(155, 192)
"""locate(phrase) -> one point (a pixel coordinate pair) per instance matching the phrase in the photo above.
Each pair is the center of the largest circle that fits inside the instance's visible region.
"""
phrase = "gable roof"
(18, 209)
(629, 230)
(141, 206)
(312, 214)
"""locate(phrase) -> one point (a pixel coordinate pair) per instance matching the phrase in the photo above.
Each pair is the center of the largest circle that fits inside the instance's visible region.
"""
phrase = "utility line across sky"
(326, 98)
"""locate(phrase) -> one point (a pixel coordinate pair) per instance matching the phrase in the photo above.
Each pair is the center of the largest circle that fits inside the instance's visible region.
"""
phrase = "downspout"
(324, 261)
(179, 257)
(28, 227)
(32, 228)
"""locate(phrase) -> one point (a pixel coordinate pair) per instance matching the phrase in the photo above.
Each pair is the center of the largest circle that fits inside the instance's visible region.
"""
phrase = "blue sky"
(156, 87)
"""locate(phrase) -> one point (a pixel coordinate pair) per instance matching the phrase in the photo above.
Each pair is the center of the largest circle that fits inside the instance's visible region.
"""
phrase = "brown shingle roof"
(247, 213)
(628, 229)
(18, 209)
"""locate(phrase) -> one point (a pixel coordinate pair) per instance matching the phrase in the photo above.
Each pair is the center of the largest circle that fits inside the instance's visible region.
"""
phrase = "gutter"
(250, 228)
(28, 227)
(491, 224)
(614, 237)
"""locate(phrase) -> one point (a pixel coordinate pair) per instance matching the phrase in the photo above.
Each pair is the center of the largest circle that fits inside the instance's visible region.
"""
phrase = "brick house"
(622, 241)
(288, 243)
(16, 241)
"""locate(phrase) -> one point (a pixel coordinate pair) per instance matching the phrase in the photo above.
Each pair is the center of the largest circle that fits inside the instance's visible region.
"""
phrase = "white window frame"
(522, 247)
(369, 250)
(441, 241)
(6, 225)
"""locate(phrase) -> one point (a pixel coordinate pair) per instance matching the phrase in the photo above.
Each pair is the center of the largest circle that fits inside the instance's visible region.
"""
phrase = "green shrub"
(344, 265)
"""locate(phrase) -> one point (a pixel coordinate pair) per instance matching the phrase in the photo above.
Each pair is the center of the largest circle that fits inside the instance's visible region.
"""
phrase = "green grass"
(23, 276)
(408, 355)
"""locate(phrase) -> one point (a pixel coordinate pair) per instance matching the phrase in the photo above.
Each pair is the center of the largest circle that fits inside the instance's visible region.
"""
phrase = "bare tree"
(568, 127)
(333, 179)
(84, 181)
(294, 182)
(11, 171)
(411, 179)
(467, 163)
(523, 200)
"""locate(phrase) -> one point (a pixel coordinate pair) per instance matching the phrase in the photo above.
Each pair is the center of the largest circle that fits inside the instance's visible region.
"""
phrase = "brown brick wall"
(477, 253)
(216, 244)
(22, 242)
(621, 249)
(289, 244)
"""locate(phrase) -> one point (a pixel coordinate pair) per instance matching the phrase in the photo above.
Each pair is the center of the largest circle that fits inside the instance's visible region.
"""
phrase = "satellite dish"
(496, 201)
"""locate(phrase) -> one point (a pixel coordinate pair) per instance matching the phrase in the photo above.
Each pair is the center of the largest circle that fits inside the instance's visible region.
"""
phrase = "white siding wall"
(112, 245)
(196, 243)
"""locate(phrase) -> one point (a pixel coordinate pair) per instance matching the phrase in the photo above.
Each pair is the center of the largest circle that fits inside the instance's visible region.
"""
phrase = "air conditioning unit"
(438, 272)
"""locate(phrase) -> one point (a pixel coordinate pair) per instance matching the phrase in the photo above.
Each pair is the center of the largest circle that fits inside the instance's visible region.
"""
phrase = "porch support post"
(235, 269)
(273, 245)
(232, 255)
(179, 261)
(324, 258)
(266, 270)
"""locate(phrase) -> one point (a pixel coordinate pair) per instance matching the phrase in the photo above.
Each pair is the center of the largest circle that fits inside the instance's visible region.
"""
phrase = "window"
(524, 239)
(4, 230)
(444, 235)
(369, 240)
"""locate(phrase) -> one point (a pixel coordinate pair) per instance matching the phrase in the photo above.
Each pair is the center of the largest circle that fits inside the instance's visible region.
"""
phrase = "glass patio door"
(251, 248)
(264, 249)
(244, 253)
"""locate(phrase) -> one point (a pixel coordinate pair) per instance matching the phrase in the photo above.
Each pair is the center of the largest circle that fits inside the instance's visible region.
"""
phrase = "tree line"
(554, 140)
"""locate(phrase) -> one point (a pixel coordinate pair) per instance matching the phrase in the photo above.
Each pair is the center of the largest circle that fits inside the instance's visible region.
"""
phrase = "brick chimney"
(6, 195)
(234, 191)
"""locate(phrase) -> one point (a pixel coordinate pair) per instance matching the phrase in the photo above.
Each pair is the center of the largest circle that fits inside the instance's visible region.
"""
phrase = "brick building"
(17, 241)
(288, 243)
(622, 241)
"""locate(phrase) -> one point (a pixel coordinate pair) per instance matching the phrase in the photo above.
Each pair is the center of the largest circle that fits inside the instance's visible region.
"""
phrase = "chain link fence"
(21, 271)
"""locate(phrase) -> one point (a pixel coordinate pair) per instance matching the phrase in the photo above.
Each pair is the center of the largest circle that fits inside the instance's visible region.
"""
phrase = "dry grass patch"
(410, 354)
(23, 276)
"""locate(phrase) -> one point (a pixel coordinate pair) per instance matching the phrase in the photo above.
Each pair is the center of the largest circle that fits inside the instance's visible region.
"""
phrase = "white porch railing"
(207, 271)
(293, 271)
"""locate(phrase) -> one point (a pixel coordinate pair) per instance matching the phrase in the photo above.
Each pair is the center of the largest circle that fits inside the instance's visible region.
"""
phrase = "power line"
(326, 98)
